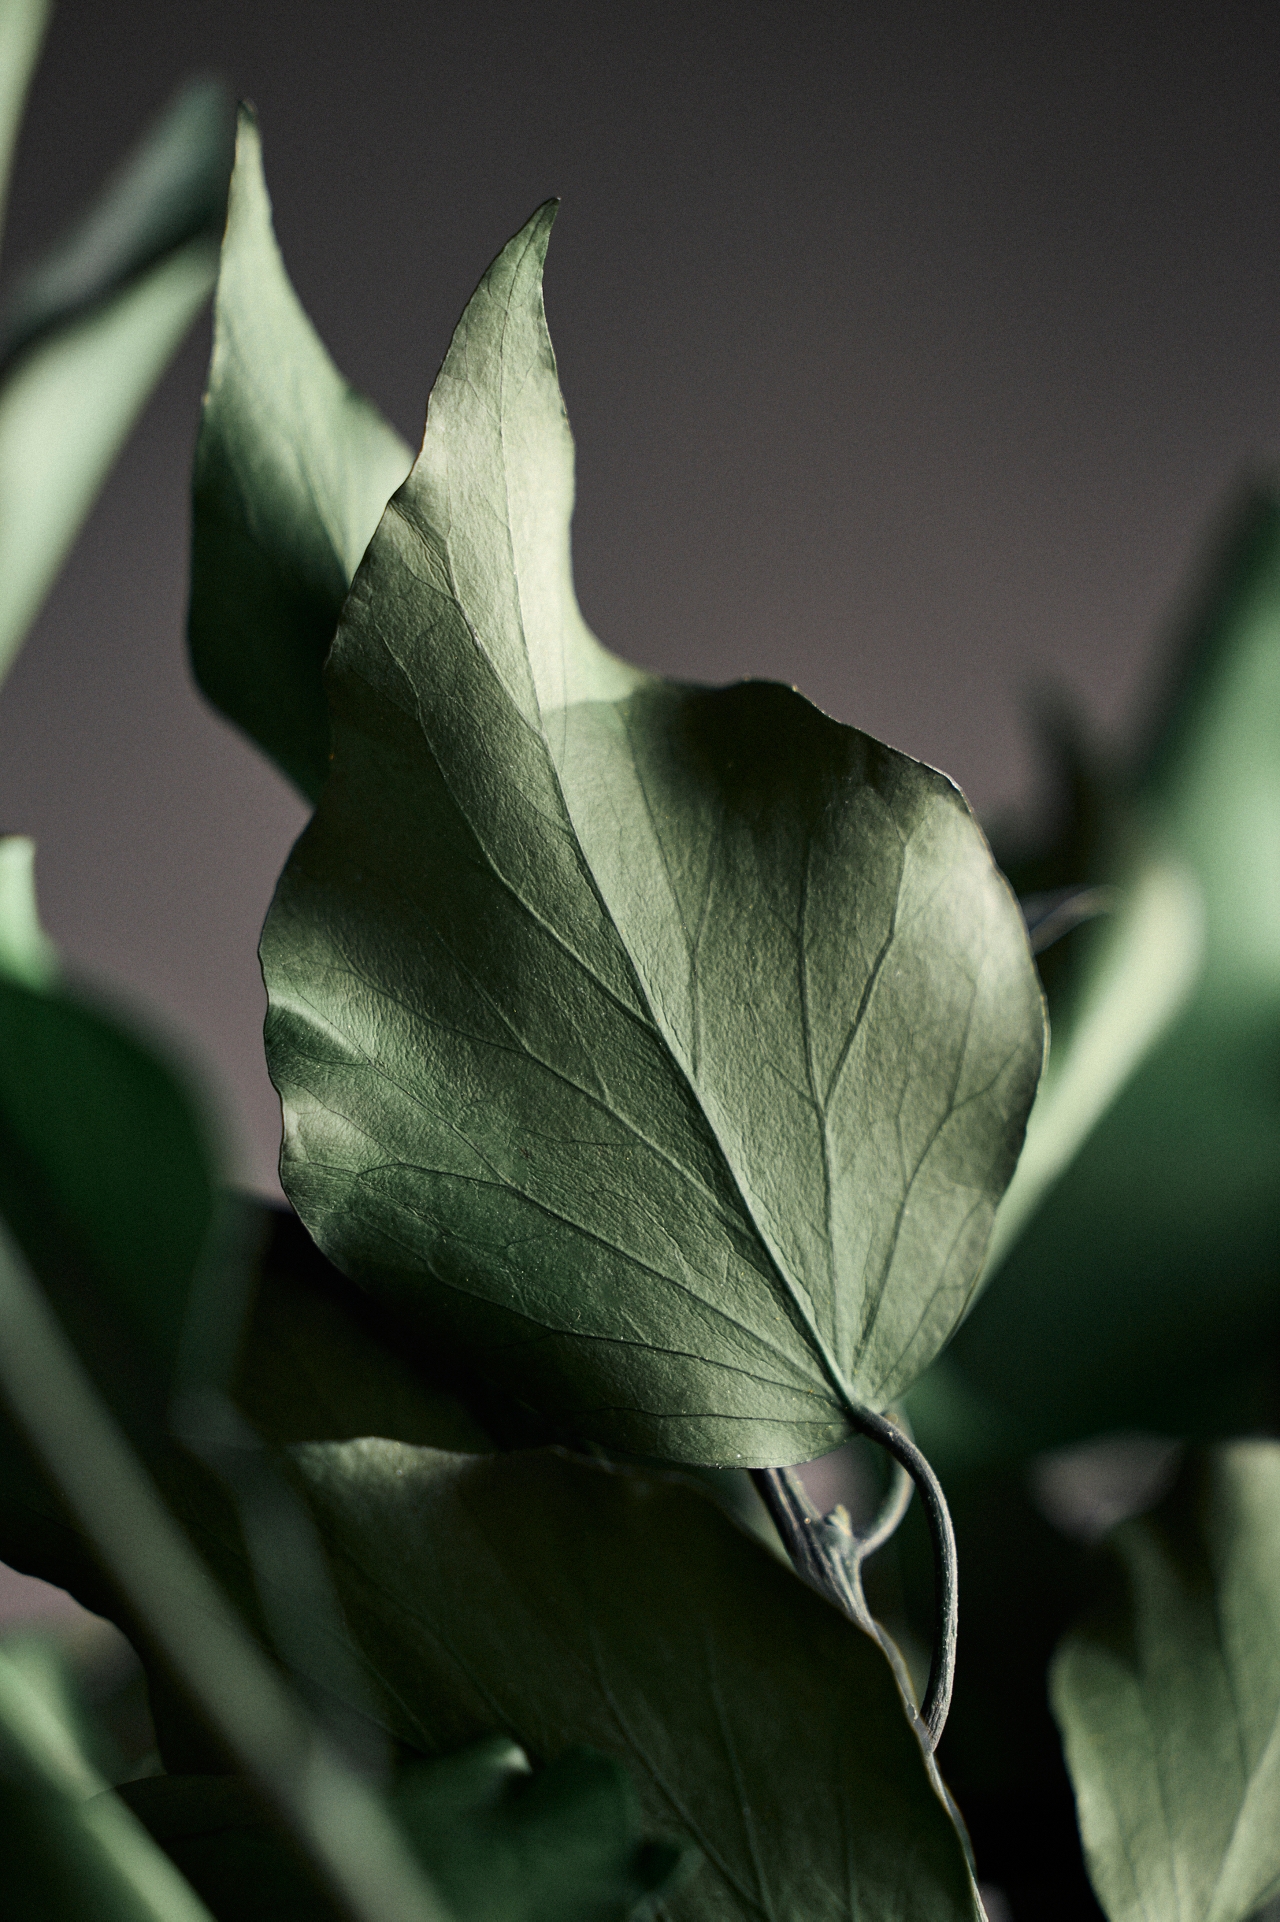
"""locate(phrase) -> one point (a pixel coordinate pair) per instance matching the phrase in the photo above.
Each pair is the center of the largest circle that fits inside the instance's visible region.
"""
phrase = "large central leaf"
(670, 1045)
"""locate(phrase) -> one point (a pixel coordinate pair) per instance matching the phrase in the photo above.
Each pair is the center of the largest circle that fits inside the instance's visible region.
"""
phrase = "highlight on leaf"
(669, 1046)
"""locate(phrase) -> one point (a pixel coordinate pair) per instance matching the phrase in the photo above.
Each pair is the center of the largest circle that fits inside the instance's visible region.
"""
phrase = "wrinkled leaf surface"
(670, 1046)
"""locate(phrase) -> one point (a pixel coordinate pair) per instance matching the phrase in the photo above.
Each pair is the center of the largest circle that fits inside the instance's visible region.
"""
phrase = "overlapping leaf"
(107, 1169)
(1169, 1702)
(670, 1046)
(293, 469)
(576, 1603)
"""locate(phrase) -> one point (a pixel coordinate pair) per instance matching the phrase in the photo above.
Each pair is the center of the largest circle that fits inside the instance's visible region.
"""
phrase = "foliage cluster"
(655, 1064)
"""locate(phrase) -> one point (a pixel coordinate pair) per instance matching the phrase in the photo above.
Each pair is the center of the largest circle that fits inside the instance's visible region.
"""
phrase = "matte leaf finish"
(293, 470)
(501, 1843)
(1169, 1702)
(670, 1046)
(576, 1603)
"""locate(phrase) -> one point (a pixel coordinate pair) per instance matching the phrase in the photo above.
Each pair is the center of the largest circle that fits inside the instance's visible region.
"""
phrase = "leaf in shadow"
(559, 1602)
(501, 1843)
(1137, 1285)
(72, 1850)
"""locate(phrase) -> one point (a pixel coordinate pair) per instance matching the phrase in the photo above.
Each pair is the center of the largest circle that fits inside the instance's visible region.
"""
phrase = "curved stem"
(946, 1595)
(828, 1552)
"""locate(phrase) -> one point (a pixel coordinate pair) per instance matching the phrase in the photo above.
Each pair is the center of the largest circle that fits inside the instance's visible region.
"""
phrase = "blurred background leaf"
(72, 1850)
(22, 30)
(1138, 1291)
(87, 331)
(1168, 1695)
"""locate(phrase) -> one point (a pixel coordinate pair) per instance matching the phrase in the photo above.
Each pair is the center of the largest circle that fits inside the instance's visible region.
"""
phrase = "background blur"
(909, 349)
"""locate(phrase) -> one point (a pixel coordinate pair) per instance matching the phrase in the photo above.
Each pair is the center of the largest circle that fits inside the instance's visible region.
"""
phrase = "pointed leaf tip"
(670, 1045)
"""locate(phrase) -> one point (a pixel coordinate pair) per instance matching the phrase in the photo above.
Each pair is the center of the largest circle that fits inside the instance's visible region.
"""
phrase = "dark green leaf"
(1138, 1237)
(1169, 1701)
(320, 1361)
(670, 1046)
(106, 1179)
(563, 1844)
(502, 1844)
(558, 1602)
(293, 470)
(172, 187)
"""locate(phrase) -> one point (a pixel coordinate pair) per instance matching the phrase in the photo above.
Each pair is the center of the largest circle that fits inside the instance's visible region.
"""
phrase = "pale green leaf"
(27, 955)
(171, 187)
(22, 30)
(669, 1046)
(293, 470)
(1169, 1702)
(65, 411)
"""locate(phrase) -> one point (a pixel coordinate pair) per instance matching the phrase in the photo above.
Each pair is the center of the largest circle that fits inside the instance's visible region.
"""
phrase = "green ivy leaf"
(293, 469)
(501, 1843)
(1137, 1285)
(1169, 1701)
(558, 1602)
(670, 1046)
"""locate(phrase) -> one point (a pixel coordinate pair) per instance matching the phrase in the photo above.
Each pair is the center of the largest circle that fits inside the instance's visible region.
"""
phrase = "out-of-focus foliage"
(1135, 1277)
(1168, 1695)
(87, 331)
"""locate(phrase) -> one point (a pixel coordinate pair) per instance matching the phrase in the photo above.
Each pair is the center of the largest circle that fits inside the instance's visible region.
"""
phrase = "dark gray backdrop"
(908, 349)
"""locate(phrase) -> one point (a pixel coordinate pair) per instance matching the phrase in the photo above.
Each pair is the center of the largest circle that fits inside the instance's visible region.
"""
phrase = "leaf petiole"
(828, 1552)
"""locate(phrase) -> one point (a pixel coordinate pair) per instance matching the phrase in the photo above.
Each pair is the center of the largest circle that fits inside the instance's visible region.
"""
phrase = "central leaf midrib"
(784, 1286)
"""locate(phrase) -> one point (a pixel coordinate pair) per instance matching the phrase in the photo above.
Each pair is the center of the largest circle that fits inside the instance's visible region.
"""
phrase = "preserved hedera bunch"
(654, 1060)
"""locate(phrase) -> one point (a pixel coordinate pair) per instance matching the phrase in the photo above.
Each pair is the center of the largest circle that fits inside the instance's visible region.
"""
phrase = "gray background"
(908, 350)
